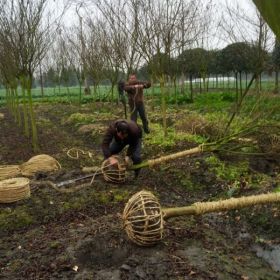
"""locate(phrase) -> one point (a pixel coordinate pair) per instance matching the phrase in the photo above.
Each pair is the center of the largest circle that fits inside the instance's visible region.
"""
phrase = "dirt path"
(80, 236)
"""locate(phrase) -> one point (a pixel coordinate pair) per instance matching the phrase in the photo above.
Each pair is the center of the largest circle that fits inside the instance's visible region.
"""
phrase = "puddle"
(271, 254)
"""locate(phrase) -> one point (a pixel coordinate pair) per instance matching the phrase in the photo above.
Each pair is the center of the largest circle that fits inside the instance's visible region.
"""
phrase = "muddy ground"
(79, 235)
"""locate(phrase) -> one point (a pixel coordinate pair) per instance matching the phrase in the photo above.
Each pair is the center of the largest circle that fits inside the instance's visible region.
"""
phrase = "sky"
(217, 39)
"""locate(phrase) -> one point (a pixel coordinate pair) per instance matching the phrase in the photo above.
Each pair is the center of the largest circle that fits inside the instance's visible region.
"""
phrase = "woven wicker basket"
(14, 189)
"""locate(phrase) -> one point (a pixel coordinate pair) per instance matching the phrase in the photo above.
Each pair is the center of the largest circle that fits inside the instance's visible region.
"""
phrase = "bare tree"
(29, 35)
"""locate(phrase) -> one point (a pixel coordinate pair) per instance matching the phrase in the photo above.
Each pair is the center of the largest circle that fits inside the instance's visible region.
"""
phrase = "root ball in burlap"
(39, 163)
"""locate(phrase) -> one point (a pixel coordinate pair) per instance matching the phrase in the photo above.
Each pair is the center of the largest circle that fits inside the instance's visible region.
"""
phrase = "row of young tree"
(238, 59)
(108, 39)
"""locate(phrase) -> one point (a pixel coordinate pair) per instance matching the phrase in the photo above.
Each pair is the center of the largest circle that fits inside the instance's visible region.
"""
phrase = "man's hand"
(139, 86)
(113, 161)
(128, 161)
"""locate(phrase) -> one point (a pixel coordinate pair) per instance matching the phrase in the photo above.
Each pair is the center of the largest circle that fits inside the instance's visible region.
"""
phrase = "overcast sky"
(216, 40)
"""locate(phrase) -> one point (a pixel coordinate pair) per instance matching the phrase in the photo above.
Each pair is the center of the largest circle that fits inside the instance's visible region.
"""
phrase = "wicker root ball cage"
(114, 173)
(143, 215)
(14, 189)
(143, 219)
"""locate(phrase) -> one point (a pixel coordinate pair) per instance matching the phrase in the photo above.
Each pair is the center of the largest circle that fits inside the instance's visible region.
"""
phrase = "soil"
(79, 235)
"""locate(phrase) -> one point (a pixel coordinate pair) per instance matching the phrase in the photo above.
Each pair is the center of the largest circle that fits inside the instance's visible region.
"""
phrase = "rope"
(9, 171)
(78, 151)
(14, 189)
(134, 102)
(235, 203)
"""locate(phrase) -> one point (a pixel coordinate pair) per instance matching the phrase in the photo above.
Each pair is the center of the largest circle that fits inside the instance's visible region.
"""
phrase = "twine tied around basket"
(143, 217)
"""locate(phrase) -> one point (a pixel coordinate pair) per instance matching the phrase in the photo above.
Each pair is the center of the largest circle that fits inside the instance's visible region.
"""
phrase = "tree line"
(165, 40)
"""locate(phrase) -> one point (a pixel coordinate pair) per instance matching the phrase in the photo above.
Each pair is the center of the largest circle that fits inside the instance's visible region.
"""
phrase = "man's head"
(132, 77)
(122, 129)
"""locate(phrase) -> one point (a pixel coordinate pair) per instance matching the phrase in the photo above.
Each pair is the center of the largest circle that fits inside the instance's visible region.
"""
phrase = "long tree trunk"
(25, 114)
(13, 107)
(153, 95)
(276, 87)
(236, 87)
(163, 103)
(18, 108)
(35, 143)
(80, 93)
(182, 84)
(257, 84)
(175, 90)
(8, 99)
(41, 81)
(191, 88)
(240, 83)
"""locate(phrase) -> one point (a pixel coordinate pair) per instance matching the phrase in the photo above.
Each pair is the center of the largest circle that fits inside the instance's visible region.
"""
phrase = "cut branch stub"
(143, 216)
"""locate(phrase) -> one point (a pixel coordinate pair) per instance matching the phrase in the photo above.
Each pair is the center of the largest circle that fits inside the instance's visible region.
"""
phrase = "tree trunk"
(175, 90)
(260, 82)
(25, 114)
(35, 143)
(240, 83)
(153, 95)
(18, 108)
(257, 84)
(276, 87)
(191, 88)
(236, 87)
(163, 104)
(41, 81)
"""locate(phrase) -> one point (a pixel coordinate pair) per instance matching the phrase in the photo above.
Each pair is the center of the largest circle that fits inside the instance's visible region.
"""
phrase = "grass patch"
(229, 172)
(158, 138)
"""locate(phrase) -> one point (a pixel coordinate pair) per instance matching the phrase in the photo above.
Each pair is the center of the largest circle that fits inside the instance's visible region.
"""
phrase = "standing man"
(120, 134)
(134, 89)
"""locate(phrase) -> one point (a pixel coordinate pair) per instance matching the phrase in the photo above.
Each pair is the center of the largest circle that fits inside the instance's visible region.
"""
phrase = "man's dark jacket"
(135, 95)
(134, 134)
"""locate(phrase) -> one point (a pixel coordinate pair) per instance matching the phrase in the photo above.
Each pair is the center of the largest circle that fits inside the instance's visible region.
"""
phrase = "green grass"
(206, 102)
(158, 138)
